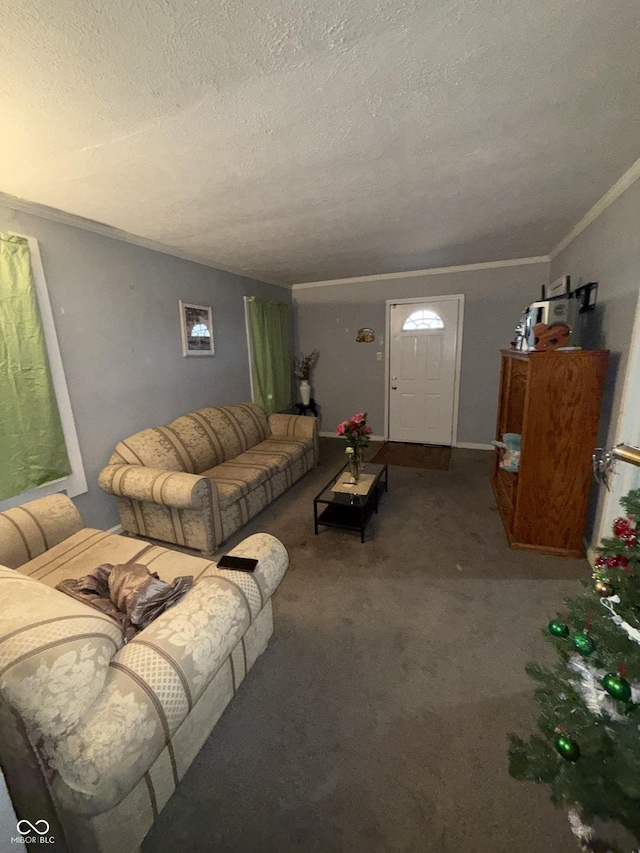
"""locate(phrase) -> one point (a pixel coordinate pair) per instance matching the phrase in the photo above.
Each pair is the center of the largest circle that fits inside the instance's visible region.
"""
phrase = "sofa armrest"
(154, 485)
(31, 529)
(151, 685)
(299, 426)
(273, 562)
(155, 680)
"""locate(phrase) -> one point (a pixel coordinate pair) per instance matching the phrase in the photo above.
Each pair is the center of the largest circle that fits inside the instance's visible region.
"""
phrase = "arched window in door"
(422, 319)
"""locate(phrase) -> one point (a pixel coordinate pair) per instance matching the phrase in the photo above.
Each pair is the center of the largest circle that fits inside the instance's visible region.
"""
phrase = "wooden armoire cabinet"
(552, 399)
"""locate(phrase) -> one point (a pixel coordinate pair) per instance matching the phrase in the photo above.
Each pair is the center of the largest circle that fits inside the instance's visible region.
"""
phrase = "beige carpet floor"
(377, 719)
(414, 455)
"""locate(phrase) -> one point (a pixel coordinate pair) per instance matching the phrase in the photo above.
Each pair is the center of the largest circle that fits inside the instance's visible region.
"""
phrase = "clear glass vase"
(355, 465)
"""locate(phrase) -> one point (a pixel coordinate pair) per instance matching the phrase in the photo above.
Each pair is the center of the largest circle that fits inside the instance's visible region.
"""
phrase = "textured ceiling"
(311, 139)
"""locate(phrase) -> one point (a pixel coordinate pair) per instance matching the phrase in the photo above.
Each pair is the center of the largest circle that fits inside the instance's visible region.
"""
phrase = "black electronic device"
(587, 295)
(238, 564)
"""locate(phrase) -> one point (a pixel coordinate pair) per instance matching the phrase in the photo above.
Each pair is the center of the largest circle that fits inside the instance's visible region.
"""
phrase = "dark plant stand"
(303, 408)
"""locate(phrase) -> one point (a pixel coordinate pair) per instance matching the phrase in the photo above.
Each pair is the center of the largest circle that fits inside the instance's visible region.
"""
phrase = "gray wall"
(608, 251)
(115, 307)
(348, 378)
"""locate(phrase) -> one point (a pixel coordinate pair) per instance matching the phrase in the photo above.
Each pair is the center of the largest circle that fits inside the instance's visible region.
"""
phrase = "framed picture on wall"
(196, 329)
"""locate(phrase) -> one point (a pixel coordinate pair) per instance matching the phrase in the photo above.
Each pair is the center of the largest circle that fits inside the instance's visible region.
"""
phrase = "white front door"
(423, 349)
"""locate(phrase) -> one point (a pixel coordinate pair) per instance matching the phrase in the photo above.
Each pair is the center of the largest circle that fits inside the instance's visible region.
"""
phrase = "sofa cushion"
(240, 476)
(282, 450)
(236, 428)
(158, 447)
(28, 531)
(54, 654)
(196, 441)
(83, 552)
(234, 481)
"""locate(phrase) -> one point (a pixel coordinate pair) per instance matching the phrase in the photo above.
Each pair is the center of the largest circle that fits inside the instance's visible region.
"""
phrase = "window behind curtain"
(32, 446)
(272, 353)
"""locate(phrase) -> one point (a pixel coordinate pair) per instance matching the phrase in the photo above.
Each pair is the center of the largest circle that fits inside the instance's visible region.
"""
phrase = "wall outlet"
(379, 356)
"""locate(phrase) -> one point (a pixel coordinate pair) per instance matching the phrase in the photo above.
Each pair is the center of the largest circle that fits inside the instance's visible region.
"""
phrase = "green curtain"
(32, 448)
(272, 353)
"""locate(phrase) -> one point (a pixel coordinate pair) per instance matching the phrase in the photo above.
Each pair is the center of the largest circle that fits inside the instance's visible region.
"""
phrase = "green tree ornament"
(583, 643)
(567, 747)
(617, 686)
(558, 628)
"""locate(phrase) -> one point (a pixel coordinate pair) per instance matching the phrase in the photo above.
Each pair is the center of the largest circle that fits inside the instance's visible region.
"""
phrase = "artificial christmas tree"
(589, 749)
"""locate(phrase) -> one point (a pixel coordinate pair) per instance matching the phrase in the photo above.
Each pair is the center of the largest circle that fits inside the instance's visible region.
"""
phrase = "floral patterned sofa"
(94, 734)
(196, 481)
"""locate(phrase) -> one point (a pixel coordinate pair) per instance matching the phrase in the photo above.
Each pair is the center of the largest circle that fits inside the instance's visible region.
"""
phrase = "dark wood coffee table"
(348, 510)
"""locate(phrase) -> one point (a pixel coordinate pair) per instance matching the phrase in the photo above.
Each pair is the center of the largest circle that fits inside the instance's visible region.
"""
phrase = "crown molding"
(55, 215)
(363, 279)
(629, 178)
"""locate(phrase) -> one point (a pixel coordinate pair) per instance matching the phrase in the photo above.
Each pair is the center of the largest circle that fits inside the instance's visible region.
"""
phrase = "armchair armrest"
(31, 529)
(154, 485)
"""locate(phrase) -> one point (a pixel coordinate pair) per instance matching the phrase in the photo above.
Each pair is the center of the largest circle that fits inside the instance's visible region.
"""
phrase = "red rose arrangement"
(355, 431)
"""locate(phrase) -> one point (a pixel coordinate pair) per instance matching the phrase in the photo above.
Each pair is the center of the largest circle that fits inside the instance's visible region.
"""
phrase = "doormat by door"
(407, 455)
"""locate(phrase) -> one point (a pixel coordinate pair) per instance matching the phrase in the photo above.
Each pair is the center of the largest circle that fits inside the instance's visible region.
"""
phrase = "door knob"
(394, 387)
